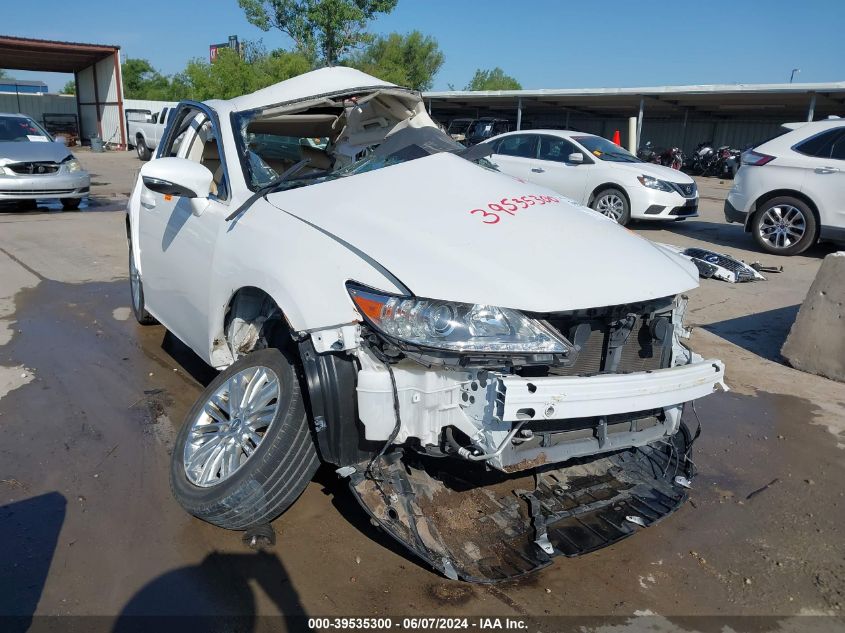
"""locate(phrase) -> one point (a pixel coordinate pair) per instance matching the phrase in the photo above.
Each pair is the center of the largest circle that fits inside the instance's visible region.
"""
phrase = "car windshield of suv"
(603, 149)
(21, 130)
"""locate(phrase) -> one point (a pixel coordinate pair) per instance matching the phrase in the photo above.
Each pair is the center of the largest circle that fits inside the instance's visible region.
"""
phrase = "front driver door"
(554, 170)
(177, 247)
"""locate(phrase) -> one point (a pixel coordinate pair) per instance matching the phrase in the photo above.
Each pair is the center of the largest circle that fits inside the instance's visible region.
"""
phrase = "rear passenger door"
(824, 181)
(515, 155)
(553, 168)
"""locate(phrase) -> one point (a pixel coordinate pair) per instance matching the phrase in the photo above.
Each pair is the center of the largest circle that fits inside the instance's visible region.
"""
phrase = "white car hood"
(657, 171)
(415, 219)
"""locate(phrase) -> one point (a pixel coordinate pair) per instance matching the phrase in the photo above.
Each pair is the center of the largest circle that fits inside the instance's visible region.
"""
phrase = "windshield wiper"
(269, 187)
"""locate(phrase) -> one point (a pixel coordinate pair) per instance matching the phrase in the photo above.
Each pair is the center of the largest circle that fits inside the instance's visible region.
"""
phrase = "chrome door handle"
(538, 170)
(827, 170)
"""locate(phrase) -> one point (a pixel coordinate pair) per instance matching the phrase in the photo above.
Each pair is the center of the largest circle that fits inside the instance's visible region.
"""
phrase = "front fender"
(302, 268)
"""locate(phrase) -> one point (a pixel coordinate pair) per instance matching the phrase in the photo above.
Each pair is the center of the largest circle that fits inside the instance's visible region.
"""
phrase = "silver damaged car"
(34, 166)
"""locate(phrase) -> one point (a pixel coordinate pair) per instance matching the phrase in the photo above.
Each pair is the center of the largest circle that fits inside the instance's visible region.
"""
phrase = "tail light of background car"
(756, 158)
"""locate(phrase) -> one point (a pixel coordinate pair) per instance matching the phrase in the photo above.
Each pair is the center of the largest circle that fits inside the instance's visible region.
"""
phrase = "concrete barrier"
(816, 342)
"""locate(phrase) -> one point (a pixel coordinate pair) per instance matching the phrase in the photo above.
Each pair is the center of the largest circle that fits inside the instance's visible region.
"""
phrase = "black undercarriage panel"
(485, 526)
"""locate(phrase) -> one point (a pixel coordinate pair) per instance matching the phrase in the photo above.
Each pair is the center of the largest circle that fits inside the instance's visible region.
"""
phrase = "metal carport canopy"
(730, 100)
(96, 70)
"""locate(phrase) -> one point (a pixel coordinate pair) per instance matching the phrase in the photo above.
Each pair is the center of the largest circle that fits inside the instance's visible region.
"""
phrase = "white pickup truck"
(145, 135)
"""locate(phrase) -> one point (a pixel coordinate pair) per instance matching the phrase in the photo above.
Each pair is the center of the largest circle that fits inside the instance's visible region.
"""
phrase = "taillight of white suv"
(750, 157)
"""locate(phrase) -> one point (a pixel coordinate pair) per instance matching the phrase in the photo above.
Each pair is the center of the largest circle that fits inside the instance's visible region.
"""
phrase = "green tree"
(231, 75)
(325, 30)
(495, 79)
(69, 88)
(142, 81)
(407, 60)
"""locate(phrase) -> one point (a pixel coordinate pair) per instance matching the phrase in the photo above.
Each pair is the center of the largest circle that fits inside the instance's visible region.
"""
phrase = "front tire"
(144, 152)
(784, 226)
(71, 204)
(136, 293)
(245, 451)
(614, 204)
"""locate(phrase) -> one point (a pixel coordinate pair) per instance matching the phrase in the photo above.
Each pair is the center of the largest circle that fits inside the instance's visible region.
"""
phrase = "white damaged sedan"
(500, 374)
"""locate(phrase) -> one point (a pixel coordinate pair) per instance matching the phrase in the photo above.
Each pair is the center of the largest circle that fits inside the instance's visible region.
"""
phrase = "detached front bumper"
(59, 185)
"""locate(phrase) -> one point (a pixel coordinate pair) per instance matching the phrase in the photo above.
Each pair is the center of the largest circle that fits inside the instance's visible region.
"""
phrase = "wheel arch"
(329, 380)
(252, 318)
(608, 185)
(788, 193)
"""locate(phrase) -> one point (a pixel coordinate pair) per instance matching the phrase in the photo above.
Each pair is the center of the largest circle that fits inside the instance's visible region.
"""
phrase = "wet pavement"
(90, 403)
(88, 441)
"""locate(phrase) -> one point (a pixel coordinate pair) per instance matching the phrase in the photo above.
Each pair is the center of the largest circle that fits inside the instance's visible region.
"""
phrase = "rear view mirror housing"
(177, 177)
(576, 157)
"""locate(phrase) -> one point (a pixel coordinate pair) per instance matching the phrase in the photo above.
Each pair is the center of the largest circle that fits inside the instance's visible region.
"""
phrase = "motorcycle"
(672, 157)
(730, 162)
(703, 159)
(648, 154)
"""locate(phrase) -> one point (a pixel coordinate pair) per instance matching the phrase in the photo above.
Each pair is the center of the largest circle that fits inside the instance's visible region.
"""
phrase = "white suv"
(594, 172)
(790, 191)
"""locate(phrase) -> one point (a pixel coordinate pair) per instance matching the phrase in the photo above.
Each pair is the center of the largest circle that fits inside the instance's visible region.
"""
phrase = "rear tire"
(614, 204)
(71, 204)
(266, 477)
(136, 293)
(784, 226)
(144, 152)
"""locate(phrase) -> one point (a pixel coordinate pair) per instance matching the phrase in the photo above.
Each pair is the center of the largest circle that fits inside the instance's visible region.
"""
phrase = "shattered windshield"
(316, 163)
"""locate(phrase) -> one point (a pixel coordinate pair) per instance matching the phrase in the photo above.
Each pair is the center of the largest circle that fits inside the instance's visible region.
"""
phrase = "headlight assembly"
(461, 327)
(654, 183)
(73, 165)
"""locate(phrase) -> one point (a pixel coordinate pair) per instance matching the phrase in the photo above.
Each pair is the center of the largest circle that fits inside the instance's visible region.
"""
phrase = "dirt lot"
(90, 403)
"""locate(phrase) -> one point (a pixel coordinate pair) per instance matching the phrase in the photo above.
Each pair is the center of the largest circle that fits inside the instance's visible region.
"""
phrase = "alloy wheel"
(134, 283)
(782, 226)
(231, 426)
(612, 206)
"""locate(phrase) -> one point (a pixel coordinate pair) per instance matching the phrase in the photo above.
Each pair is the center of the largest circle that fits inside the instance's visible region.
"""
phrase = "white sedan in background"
(597, 173)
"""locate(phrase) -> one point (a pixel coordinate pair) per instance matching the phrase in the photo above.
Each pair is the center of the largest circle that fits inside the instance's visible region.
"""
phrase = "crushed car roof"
(315, 83)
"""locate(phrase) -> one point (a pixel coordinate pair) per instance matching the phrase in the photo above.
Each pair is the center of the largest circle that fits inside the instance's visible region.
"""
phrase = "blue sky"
(543, 43)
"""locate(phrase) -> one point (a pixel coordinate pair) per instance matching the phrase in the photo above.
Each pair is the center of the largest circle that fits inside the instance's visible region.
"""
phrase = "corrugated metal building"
(99, 86)
(730, 114)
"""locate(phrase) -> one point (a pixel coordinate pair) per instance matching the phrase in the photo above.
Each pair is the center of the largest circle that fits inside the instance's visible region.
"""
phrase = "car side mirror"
(179, 177)
(576, 158)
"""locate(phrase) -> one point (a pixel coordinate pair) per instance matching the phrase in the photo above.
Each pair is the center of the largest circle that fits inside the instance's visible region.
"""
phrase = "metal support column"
(812, 109)
(519, 114)
(640, 122)
(684, 130)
